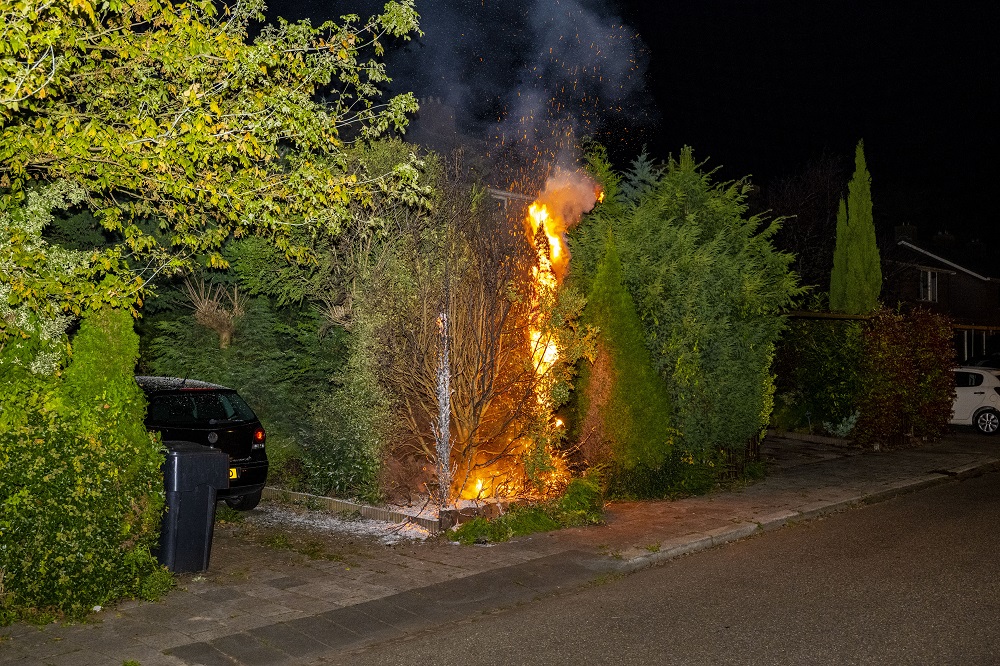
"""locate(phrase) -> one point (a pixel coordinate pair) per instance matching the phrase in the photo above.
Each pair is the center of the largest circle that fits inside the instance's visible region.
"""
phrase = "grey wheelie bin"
(192, 474)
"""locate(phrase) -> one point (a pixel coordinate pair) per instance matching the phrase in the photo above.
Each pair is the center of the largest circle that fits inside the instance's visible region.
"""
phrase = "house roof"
(943, 260)
(967, 259)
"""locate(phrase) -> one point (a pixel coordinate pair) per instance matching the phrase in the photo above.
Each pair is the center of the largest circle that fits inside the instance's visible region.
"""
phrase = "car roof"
(986, 371)
(162, 384)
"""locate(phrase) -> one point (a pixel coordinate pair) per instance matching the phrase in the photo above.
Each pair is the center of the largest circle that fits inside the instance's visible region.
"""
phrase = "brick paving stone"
(218, 595)
(355, 620)
(165, 639)
(286, 582)
(286, 639)
(385, 611)
(324, 631)
(81, 657)
(201, 654)
(246, 650)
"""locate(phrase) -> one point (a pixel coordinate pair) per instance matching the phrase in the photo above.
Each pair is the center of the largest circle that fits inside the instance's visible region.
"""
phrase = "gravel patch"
(277, 515)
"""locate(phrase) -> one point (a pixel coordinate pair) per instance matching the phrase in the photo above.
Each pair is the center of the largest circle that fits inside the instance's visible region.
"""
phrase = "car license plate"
(234, 473)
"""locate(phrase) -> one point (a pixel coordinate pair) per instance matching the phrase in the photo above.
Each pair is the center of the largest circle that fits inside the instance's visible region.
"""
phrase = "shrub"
(906, 377)
(709, 288)
(581, 504)
(932, 353)
(880, 381)
(679, 475)
(340, 454)
(706, 292)
(819, 375)
(276, 360)
(82, 491)
(321, 437)
(627, 417)
(518, 521)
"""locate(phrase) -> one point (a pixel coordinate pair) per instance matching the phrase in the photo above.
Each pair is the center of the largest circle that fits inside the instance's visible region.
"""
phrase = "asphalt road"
(909, 581)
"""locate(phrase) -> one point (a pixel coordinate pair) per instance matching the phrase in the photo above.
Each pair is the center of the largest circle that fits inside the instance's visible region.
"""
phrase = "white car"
(977, 399)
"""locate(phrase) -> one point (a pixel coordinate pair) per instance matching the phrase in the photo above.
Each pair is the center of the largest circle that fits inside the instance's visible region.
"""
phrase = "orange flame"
(566, 197)
(540, 217)
(543, 352)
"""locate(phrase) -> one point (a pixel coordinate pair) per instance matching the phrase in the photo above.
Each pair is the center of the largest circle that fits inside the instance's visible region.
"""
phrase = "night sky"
(763, 87)
(757, 87)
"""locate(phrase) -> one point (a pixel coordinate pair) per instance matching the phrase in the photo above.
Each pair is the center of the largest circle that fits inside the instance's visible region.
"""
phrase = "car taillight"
(259, 436)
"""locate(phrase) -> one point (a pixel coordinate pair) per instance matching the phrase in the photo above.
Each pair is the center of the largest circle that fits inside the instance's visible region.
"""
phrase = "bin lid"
(189, 466)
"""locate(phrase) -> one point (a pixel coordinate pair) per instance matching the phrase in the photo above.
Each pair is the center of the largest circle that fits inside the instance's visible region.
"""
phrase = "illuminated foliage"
(82, 492)
(169, 111)
(179, 133)
(628, 406)
(709, 289)
(43, 287)
(856, 280)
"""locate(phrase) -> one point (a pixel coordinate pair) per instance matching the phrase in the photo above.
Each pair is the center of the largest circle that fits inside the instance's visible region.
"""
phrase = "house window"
(928, 286)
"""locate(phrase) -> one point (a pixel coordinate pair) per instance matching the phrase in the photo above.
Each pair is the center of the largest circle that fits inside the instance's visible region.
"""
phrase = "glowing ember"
(486, 487)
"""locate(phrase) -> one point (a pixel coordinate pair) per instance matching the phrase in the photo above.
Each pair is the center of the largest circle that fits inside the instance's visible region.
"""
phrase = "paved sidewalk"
(262, 606)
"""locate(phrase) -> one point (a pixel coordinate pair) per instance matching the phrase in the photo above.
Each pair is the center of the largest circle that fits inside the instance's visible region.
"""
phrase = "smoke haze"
(520, 81)
(530, 78)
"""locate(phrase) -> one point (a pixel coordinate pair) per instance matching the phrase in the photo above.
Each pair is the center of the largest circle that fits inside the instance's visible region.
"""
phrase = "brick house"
(962, 282)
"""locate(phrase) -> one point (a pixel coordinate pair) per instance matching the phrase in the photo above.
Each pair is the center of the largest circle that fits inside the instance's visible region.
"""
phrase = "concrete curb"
(433, 525)
(812, 439)
(704, 541)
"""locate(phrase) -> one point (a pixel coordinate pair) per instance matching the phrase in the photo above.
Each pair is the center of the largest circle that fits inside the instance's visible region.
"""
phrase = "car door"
(969, 394)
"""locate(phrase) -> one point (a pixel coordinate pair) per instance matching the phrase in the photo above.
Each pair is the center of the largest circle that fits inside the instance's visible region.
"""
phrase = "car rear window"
(194, 408)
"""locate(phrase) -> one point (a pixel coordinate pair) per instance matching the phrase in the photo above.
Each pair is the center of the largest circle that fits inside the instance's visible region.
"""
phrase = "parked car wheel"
(244, 502)
(988, 422)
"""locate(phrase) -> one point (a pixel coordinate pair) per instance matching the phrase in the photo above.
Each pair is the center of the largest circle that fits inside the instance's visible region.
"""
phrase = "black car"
(216, 416)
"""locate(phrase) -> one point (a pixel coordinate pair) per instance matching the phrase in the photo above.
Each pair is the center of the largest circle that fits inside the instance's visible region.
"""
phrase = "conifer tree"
(856, 280)
(838, 277)
(633, 415)
(708, 289)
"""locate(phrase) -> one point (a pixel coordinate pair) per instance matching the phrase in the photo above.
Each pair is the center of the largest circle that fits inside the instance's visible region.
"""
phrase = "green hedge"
(878, 381)
(82, 491)
(637, 413)
(818, 368)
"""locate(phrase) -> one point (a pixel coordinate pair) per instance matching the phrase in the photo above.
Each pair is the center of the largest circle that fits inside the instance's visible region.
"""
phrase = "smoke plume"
(525, 79)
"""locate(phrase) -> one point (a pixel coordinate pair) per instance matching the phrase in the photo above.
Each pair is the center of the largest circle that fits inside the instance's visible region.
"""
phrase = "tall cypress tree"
(856, 280)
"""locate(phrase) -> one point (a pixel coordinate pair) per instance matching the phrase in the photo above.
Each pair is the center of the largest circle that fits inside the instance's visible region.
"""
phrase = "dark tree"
(809, 200)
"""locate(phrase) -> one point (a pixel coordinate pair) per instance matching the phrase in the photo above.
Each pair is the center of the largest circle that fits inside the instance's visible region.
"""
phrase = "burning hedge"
(480, 349)
(483, 330)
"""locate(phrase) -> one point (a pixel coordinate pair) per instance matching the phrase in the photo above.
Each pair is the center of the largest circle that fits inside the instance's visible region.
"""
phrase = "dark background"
(757, 87)
(764, 86)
